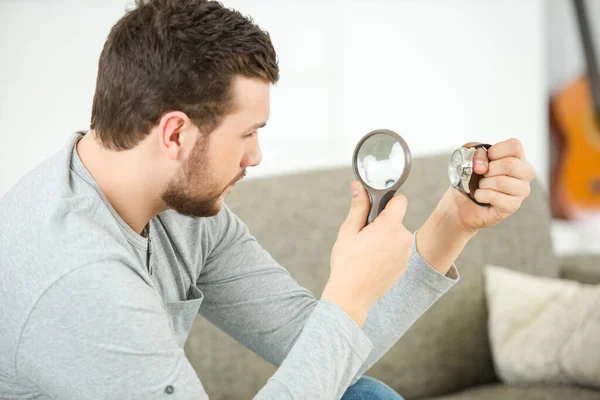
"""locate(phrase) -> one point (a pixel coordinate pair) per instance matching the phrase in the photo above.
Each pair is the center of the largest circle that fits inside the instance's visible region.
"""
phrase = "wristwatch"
(460, 171)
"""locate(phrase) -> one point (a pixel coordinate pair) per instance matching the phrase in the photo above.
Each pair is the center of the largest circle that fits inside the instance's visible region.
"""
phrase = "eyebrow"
(258, 126)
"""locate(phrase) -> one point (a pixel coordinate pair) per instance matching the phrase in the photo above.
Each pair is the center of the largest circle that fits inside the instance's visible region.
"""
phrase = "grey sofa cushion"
(296, 218)
(584, 268)
(524, 392)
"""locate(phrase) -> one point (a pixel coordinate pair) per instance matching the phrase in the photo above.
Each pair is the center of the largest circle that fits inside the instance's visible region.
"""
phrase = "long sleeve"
(318, 348)
(418, 289)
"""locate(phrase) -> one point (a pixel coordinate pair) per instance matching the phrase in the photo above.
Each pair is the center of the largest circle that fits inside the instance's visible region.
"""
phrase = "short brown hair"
(167, 55)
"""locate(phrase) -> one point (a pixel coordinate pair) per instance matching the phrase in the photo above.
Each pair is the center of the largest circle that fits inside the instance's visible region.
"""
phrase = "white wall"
(439, 72)
(565, 57)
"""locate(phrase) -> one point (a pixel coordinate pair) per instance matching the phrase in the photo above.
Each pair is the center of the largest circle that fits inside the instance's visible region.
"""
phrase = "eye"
(252, 134)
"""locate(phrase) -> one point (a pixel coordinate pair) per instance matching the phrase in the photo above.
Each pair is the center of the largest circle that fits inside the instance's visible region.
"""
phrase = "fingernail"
(354, 189)
(479, 163)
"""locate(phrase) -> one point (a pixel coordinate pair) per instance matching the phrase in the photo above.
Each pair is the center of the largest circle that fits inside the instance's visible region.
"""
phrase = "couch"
(446, 353)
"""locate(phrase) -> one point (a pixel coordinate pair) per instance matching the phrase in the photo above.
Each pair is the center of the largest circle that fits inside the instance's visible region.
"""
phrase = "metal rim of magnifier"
(407, 160)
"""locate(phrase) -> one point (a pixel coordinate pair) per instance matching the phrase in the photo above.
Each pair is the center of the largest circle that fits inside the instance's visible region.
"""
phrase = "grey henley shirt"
(92, 310)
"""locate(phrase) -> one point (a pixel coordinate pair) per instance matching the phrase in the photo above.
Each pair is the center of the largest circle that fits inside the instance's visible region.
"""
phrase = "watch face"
(455, 167)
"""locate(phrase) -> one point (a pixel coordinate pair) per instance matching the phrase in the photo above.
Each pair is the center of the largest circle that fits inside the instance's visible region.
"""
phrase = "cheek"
(232, 160)
(226, 161)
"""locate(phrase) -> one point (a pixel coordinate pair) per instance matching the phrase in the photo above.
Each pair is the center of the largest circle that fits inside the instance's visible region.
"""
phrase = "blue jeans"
(367, 388)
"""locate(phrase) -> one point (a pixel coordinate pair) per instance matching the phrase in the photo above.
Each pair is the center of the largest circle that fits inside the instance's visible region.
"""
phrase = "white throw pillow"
(543, 329)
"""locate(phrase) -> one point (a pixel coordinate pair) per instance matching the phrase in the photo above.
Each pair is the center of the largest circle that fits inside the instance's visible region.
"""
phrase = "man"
(111, 246)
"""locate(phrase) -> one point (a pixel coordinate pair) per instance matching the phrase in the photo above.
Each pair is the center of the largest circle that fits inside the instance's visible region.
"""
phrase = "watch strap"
(475, 201)
(484, 145)
(475, 178)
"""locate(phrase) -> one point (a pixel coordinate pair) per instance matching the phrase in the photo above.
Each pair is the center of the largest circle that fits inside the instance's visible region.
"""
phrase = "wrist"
(442, 237)
(350, 306)
(447, 213)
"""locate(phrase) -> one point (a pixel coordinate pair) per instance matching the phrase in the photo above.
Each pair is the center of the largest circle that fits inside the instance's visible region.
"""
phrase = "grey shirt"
(92, 310)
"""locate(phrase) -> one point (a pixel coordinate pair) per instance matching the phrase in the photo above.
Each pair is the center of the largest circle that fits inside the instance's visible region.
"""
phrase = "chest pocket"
(183, 313)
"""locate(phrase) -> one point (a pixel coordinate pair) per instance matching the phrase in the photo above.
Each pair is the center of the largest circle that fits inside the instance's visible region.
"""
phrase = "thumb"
(359, 209)
(480, 161)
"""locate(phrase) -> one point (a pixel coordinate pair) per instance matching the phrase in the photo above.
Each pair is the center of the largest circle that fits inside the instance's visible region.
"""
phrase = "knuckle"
(358, 203)
(395, 228)
(514, 207)
(406, 237)
(345, 228)
(358, 207)
(479, 195)
(385, 224)
(492, 168)
(402, 200)
(511, 165)
(483, 196)
(503, 183)
(485, 183)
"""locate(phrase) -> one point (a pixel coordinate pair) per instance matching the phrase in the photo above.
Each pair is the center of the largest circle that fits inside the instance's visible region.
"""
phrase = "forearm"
(431, 273)
(326, 356)
(441, 239)
(411, 296)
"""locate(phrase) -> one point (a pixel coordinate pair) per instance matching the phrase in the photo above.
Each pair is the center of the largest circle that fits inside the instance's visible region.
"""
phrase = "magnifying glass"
(381, 162)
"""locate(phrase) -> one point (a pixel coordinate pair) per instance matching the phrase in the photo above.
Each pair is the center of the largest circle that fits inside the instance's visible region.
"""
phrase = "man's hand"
(456, 219)
(505, 184)
(367, 261)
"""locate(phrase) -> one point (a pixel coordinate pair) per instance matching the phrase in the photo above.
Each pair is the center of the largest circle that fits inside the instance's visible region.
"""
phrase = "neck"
(126, 179)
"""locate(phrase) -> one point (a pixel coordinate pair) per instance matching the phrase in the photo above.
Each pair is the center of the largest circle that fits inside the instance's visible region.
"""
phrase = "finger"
(480, 158)
(359, 209)
(507, 185)
(480, 161)
(509, 148)
(511, 166)
(502, 202)
(394, 210)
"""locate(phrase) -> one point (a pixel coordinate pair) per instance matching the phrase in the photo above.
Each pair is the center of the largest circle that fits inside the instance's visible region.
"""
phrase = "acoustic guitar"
(575, 137)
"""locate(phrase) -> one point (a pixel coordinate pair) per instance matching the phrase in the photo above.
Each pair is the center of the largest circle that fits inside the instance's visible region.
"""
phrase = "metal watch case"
(460, 168)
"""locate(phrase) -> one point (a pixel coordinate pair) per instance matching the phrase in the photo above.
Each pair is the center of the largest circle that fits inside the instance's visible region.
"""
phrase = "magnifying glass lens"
(381, 163)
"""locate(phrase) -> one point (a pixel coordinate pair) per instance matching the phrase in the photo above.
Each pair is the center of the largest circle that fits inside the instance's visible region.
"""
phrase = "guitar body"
(575, 149)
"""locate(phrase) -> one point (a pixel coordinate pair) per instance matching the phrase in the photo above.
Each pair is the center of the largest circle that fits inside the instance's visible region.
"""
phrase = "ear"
(176, 133)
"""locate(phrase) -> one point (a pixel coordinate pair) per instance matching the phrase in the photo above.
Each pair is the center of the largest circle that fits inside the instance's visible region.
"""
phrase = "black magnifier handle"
(378, 204)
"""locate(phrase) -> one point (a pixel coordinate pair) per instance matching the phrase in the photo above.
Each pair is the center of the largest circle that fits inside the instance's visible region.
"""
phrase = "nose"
(253, 156)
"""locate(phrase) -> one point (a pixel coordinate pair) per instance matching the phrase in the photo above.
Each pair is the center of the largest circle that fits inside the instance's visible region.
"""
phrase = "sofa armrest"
(584, 268)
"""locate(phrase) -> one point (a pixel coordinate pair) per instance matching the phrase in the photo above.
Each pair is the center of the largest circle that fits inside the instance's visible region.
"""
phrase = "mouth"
(239, 177)
(236, 180)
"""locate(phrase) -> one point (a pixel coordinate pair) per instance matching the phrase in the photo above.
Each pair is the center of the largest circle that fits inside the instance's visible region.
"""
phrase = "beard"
(193, 191)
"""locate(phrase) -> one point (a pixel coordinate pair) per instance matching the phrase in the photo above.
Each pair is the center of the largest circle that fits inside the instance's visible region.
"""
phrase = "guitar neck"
(590, 57)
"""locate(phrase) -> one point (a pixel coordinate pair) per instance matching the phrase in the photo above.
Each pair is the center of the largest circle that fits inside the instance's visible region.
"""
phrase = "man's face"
(220, 159)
